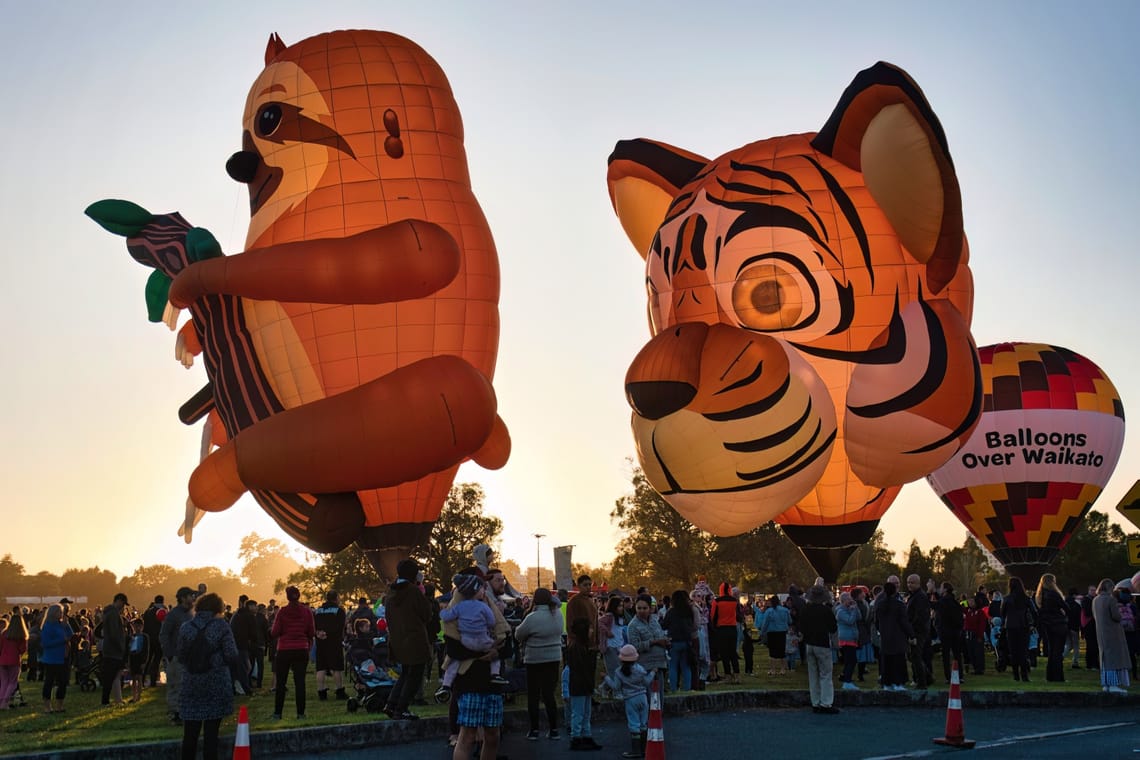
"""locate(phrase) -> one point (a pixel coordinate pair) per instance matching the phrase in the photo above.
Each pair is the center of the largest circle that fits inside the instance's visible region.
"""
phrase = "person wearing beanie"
(408, 613)
(630, 682)
(476, 623)
(817, 622)
(295, 630)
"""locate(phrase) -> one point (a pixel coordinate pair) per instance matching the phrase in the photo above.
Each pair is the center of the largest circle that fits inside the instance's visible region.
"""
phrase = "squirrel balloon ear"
(884, 127)
(274, 48)
(644, 177)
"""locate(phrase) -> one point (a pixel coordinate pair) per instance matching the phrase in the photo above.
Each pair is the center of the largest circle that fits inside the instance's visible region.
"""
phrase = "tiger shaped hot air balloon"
(809, 301)
(350, 348)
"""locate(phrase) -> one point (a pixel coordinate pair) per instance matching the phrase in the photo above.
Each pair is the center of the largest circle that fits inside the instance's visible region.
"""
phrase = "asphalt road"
(867, 733)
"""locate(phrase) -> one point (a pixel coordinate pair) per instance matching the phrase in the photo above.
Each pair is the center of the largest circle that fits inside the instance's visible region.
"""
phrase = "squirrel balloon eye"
(268, 119)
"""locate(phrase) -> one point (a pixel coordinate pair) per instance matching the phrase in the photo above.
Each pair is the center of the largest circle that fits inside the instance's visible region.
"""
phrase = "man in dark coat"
(408, 612)
(950, 620)
(918, 615)
(895, 632)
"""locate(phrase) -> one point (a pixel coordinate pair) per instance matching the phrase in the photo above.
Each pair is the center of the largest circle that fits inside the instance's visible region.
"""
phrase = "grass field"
(86, 724)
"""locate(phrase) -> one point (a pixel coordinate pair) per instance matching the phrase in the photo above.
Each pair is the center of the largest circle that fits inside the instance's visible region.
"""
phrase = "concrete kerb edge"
(317, 739)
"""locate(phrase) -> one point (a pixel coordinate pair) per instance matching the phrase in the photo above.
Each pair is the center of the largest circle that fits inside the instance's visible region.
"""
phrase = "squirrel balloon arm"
(397, 262)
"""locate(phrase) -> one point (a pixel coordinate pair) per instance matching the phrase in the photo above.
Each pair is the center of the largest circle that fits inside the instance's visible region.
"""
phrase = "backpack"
(200, 655)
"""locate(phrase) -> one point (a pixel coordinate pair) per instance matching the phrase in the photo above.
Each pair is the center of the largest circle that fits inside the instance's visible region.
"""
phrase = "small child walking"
(581, 661)
(630, 682)
(792, 650)
(476, 625)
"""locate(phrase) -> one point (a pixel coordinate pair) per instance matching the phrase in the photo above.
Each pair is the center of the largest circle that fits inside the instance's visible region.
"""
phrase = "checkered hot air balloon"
(1051, 432)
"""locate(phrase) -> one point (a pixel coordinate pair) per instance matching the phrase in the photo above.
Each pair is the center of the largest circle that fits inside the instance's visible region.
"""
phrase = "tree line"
(657, 549)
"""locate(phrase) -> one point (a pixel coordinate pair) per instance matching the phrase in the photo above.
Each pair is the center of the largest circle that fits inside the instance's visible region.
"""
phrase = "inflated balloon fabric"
(809, 300)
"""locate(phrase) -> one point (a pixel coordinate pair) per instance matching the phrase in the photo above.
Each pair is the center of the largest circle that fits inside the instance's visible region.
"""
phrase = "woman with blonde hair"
(1052, 625)
(1114, 661)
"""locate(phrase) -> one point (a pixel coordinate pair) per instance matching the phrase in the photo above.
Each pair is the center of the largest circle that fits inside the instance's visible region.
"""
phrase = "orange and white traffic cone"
(655, 735)
(955, 725)
(241, 738)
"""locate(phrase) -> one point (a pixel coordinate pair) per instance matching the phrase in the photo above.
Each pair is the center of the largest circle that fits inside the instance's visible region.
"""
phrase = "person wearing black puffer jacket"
(950, 617)
(1053, 625)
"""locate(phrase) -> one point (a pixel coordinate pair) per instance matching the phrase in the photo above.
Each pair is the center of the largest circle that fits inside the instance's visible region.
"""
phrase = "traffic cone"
(241, 738)
(655, 735)
(955, 726)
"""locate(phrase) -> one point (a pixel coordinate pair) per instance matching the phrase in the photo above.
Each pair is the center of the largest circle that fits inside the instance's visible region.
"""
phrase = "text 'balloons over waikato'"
(1051, 433)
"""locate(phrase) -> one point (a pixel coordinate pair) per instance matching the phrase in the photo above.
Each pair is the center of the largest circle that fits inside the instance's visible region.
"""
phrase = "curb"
(317, 739)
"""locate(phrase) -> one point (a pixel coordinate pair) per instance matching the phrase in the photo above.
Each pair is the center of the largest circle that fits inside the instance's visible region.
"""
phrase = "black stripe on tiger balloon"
(846, 296)
(747, 380)
(968, 420)
(891, 352)
(779, 176)
(782, 471)
(883, 74)
(931, 380)
(760, 215)
(753, 409)
(674, 486)
(774, 439)
(675, 169)
(847, 206)
(746, 189)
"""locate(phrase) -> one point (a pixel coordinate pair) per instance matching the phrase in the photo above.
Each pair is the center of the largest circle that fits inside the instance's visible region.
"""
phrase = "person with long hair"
(647, 636)
(13, 644)
(615, 611)
(1110, 639)
(1053, 625)
(540, 636)
(679, 626)
(55, 644)
(207, 651)
(1018, 616)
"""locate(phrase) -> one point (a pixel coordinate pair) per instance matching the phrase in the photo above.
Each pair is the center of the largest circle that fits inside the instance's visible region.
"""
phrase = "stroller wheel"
(87, 686)
(352, 705)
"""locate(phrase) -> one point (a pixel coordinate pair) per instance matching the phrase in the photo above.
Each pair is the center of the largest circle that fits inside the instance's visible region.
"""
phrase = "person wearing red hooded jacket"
(724, 614)
(295, 630)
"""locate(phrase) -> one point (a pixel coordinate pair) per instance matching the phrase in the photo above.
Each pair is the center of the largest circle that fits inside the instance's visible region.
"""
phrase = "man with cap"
(168, 638)
(408, 613)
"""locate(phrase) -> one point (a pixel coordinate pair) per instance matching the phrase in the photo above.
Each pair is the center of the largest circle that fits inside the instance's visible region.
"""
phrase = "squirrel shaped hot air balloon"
(350, 347)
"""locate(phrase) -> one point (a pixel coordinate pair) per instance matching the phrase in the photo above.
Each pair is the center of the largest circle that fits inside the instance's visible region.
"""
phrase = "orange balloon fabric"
(351, 347)
(809, 300)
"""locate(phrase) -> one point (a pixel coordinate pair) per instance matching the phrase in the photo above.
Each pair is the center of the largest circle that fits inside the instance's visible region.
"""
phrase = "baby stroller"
(372, 675)
(87, 671)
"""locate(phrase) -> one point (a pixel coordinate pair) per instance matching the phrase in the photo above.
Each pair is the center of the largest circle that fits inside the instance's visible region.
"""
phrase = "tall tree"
(513, 573)
(917, 563)
(763, 559)
(460, 528)
(871, 564)
(266, 562)
(99, 586)
(347, 571)
(660, 548)
(11, 576)
(1096, 550)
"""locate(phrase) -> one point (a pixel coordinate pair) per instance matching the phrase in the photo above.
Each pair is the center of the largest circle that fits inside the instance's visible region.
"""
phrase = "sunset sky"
(1040, 104)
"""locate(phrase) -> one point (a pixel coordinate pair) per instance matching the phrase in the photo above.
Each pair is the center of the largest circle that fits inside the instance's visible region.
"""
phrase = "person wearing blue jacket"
(55, 637)
(774, 630)
(847, 618)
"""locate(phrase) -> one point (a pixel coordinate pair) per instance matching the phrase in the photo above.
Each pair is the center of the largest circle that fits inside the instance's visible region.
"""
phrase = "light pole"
(538, 561)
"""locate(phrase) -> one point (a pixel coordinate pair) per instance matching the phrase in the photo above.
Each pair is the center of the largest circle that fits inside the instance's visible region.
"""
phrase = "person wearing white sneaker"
(1114, 661)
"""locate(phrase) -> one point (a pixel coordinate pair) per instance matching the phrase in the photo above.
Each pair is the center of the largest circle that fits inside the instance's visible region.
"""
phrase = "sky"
(143, 101)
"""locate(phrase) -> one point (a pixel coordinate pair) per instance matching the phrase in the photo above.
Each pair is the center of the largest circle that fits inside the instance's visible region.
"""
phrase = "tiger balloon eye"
(816, 299)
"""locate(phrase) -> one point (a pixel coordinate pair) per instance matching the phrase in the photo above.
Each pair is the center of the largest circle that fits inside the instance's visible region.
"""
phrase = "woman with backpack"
(207, 651)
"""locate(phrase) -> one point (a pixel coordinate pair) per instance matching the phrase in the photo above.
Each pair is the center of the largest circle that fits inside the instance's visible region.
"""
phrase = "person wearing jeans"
(679, 625)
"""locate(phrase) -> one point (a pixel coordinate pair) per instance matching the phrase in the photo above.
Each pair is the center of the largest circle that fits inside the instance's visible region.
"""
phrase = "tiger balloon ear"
(274, 48)
(644, 177)
(884, 127)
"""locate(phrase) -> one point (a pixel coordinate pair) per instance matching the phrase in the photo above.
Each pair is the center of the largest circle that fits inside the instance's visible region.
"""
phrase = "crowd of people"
(486, 640)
